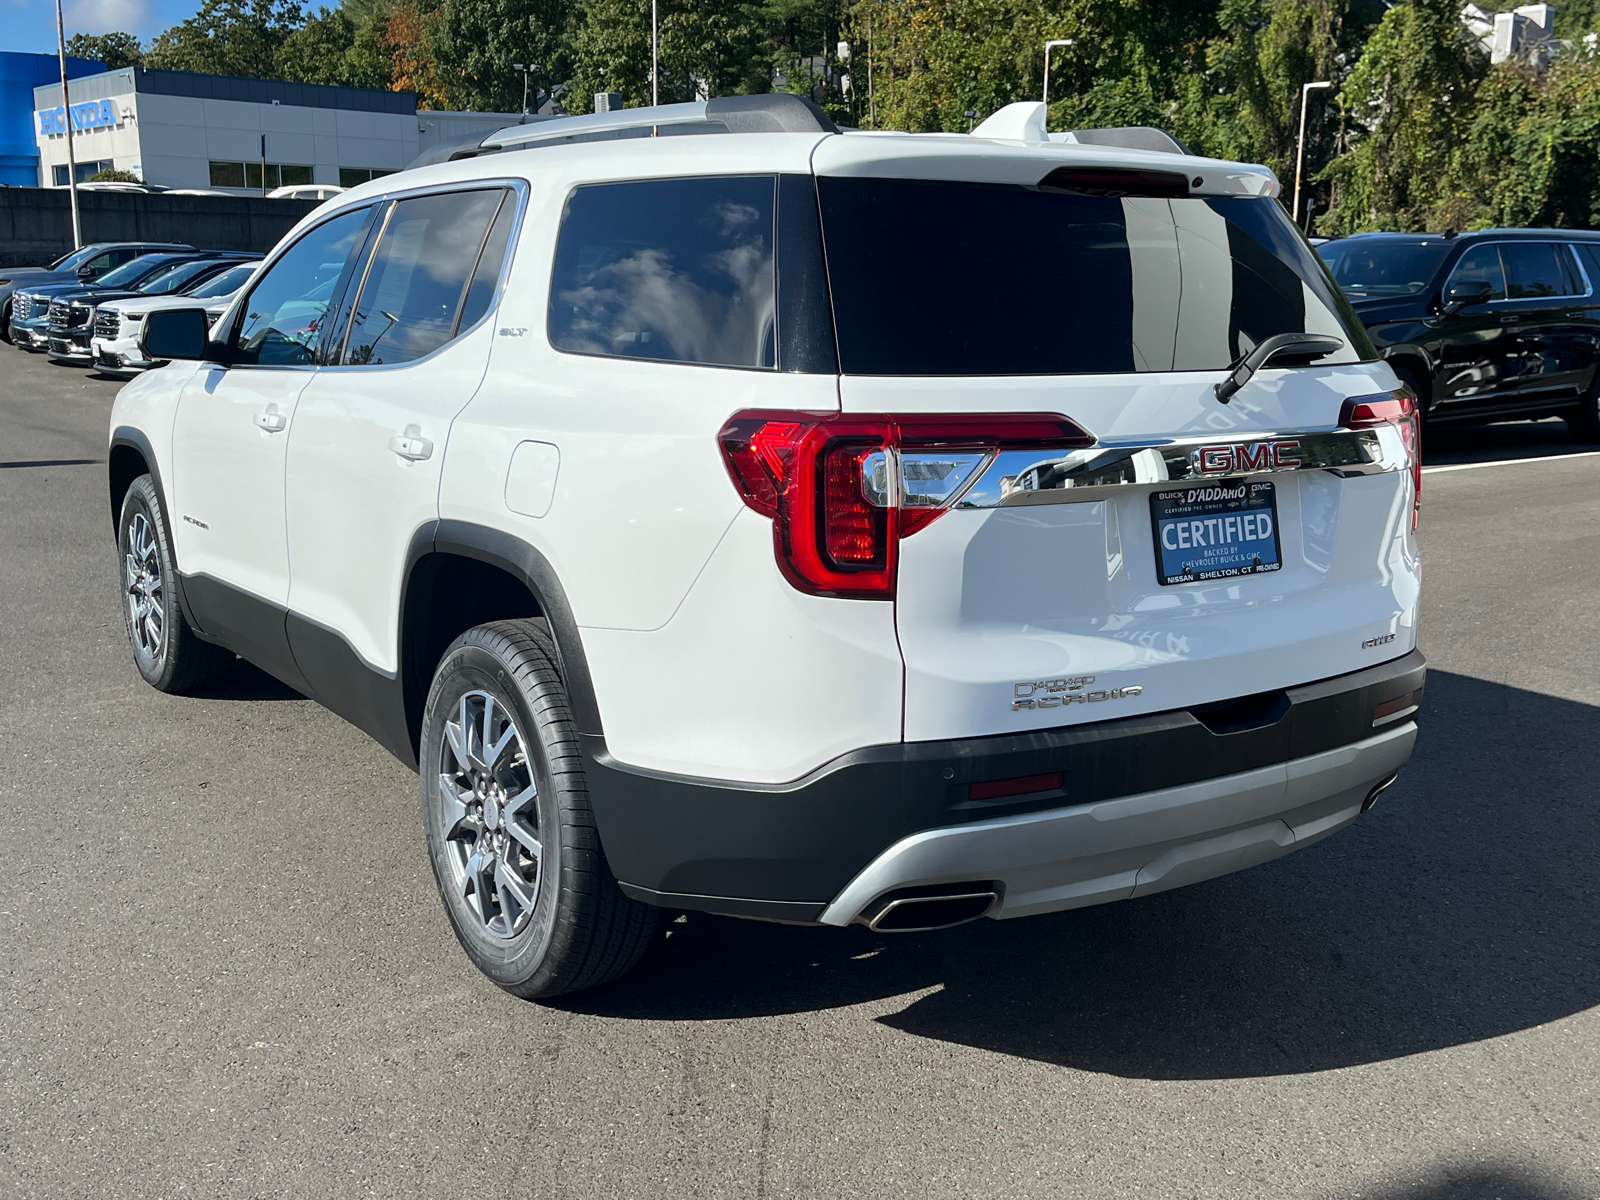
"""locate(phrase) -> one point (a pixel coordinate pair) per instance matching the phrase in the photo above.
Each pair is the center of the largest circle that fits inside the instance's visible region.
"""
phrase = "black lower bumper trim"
(737, 848)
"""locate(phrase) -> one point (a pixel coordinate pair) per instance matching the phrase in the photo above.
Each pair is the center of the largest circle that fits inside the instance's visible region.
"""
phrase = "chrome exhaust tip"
(924, 909)
(1372, 796)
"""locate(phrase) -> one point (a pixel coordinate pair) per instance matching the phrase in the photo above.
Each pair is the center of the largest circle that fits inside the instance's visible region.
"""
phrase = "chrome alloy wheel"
(491, 820)
(141, 580)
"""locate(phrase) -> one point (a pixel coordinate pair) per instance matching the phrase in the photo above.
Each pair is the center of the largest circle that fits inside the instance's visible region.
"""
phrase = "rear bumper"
(1258, 777)
(1115, 850)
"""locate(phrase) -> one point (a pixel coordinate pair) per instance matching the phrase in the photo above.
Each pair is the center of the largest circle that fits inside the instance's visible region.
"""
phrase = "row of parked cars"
(1496, 325)
(88, 307)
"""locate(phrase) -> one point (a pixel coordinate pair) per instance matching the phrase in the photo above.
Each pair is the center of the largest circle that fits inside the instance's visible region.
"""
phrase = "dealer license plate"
(1215, 530)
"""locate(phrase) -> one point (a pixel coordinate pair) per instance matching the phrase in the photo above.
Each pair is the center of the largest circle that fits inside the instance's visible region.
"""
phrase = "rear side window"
(998, 279)
(676, 270)
(1535, 270)
(1589, 254)
(410, 299)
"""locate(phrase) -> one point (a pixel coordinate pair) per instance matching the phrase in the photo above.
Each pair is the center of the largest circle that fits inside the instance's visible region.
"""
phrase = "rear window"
(946, 278)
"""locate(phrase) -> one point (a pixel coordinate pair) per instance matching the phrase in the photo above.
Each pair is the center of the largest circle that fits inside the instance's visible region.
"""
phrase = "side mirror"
(87, 273)
(174, 333)
(1468, 291)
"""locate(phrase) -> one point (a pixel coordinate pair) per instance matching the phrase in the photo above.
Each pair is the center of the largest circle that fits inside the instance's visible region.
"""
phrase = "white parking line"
(1506, 462)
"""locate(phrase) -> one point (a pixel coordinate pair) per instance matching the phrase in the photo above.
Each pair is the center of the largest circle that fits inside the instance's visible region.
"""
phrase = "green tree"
(1532, 155)
(113, 175)
(332, 47)
(611, 53)
(116, 50)
(228, 37)
(1409, 107)
(474, 44)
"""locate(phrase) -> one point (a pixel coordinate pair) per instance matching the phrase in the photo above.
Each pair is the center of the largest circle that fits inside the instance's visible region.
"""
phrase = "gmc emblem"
(1236, 458)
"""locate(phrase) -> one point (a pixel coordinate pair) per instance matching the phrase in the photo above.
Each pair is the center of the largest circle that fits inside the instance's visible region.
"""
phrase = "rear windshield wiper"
(1304, 346)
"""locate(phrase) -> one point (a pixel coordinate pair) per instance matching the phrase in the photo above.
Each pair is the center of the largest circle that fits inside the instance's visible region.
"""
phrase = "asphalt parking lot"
(224, 971)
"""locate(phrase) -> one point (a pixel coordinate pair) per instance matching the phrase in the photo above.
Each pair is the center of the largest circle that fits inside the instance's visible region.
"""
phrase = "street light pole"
(655, 65)
(523, 67)
(1300, 147)
(1049, 46)
(66, 107)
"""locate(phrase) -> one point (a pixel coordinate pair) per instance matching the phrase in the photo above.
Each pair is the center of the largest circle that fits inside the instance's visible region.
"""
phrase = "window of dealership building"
(186, 130)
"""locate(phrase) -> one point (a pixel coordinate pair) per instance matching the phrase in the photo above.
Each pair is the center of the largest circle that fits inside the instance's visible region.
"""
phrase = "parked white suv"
(116, 325)
(795, 525)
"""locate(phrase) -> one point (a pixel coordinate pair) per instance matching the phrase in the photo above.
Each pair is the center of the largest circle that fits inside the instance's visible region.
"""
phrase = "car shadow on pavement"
(1465, 906)
(1509, 1181)
(246, 681)
(1449, 445)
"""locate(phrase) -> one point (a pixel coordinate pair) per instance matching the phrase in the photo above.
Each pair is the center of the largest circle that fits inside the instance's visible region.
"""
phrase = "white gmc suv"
(797, 525)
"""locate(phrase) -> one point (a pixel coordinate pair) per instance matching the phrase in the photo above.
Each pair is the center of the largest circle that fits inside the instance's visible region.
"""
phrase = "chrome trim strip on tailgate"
(1022, 477)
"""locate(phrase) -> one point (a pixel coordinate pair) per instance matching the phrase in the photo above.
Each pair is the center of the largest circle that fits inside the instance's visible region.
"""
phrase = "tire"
(5, 322)
(1409, 377)
(514, 820)
(1584, 425)
(165, 650)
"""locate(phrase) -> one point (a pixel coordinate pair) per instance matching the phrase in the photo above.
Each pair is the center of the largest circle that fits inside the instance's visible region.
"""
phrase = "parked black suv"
(82, 266)
(1499, 324)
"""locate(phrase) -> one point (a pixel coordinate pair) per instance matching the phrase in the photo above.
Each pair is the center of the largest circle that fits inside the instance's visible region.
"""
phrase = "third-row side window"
(676, 270)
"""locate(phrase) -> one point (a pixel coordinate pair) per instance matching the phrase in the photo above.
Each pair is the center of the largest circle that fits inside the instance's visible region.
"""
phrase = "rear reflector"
(1394, 709)
(997, 788)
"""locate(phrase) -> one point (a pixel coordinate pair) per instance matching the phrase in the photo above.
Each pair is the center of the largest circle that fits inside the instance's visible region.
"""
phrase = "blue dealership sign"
(94, 114)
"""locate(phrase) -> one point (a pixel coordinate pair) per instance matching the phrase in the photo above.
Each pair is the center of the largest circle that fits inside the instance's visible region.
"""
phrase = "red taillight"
(1397, 408)
(844, 490)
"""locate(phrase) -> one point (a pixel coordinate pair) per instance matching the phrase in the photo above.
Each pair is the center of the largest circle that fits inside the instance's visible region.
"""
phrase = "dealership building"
(225, 133)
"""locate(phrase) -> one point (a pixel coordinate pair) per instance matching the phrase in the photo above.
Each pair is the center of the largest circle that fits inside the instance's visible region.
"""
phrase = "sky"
(30, 25)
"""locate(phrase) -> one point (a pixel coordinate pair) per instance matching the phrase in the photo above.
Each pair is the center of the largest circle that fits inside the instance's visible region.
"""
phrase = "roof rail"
(777, 112)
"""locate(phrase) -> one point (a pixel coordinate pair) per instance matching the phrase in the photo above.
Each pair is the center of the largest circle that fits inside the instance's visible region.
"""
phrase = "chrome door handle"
(272, 420)
(1509, 319)
(411, 444)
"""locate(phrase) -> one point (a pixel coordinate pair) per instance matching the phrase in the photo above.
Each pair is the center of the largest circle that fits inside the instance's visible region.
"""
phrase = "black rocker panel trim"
(719, 846)
(343, 682)
(253, 628)
(514, 556)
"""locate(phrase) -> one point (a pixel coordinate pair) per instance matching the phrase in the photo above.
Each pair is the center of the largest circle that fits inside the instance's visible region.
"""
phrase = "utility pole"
(1049, 46)
(523, 67)
(655, 64)
(1300, 147)
(66, 107)
(263, 164)
(872, 60)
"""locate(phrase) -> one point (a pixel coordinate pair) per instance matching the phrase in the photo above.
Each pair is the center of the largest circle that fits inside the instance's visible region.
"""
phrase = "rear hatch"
(1168, 550)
